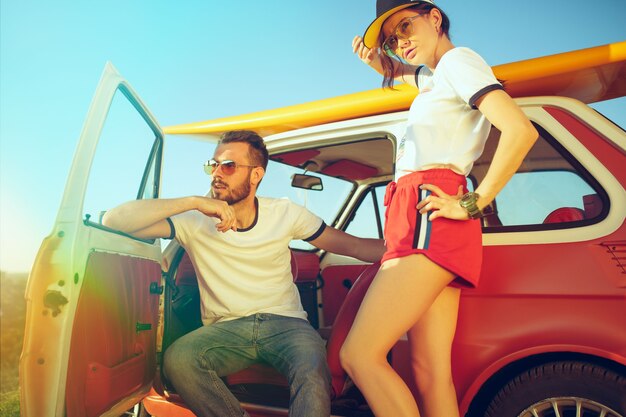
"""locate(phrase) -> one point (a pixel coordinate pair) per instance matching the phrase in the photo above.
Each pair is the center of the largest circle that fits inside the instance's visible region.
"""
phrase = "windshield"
(326, 203)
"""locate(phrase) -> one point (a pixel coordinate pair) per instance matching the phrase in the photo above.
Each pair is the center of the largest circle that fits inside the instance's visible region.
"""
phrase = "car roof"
(589, 75)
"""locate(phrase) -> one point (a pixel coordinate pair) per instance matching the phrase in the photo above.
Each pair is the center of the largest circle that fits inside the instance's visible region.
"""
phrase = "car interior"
(332, 297)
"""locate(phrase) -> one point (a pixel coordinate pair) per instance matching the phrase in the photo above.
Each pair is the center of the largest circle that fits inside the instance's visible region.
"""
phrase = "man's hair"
(257, 152)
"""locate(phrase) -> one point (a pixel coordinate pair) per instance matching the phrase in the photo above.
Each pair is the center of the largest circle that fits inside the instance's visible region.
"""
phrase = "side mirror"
(308, 182)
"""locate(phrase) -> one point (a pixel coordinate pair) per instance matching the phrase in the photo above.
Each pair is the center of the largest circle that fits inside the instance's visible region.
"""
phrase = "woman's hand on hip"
(440, 204)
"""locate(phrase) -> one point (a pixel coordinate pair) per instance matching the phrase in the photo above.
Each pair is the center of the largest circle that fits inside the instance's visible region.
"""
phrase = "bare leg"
(431, 346)
(403, 290)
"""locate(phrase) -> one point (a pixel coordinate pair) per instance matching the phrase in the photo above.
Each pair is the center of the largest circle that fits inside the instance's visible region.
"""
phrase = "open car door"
(93, 293)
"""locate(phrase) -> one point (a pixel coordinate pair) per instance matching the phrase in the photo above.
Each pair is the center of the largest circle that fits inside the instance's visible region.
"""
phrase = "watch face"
(468, 198)
(468, 202)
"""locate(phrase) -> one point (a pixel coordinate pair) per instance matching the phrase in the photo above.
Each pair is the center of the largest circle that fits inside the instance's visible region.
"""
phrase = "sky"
(196, 60)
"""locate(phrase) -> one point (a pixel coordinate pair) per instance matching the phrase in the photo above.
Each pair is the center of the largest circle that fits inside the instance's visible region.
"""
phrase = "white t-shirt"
(249, 271)
(444, 128)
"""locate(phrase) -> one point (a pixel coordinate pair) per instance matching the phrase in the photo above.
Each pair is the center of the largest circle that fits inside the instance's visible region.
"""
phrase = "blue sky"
(198, 60)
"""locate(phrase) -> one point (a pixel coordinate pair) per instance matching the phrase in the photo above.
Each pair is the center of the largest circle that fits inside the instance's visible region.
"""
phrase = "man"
(251, 310)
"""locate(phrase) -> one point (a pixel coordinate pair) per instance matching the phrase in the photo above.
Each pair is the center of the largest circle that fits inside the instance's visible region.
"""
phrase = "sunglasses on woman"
(403, 30)
(228, 167)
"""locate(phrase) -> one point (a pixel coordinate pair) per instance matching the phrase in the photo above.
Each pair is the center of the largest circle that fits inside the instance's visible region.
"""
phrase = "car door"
(93, 293)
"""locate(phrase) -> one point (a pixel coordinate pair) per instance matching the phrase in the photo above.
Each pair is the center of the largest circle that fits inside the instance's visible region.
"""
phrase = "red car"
(543, 335)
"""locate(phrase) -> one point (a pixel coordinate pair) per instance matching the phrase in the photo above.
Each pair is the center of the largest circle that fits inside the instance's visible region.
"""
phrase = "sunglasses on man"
(228, 167)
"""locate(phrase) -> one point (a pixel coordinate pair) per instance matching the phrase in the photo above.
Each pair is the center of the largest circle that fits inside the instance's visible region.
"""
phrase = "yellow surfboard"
(589, 75)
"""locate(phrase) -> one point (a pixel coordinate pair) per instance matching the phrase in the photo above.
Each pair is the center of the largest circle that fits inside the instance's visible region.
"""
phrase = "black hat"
(384, 9)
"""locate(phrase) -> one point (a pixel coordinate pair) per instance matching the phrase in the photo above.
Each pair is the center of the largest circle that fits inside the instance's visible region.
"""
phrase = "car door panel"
(112, 351)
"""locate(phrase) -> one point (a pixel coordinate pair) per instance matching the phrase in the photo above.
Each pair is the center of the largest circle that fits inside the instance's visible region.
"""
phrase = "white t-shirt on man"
(444, 127)
(248, 271)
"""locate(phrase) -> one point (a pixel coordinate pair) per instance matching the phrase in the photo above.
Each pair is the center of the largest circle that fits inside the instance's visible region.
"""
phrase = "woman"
(433, 232)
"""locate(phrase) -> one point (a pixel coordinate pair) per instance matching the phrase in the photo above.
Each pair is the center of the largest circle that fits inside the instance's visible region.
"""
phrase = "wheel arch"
(476, 399)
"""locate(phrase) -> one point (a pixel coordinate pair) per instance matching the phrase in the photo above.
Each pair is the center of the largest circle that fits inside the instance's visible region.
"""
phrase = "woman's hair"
(387, 62)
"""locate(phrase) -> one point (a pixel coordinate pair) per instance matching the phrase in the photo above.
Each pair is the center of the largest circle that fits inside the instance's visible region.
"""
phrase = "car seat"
(565, 214)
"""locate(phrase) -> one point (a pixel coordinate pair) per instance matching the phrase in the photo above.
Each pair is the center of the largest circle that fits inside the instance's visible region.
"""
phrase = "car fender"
(536, 351)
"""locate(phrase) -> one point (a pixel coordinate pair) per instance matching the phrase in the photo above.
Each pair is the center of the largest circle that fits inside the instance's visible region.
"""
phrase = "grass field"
(12, 316)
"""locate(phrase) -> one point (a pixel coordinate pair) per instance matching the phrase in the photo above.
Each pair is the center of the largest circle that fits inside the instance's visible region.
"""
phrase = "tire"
(563, 385)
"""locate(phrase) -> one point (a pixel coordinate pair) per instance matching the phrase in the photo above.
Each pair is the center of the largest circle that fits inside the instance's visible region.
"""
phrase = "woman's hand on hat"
(440, 204)
(369, 56)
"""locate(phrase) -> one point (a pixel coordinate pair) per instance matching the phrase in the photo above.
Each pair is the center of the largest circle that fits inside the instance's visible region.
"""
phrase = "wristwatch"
(468, 202)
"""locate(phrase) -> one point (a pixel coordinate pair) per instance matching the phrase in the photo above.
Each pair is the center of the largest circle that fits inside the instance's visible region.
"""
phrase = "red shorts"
(456, 245)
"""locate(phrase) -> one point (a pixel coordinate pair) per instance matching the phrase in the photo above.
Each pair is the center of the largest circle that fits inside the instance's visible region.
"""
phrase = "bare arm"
(518, 136)
(337, 241)
(405, 73)
(147, 218)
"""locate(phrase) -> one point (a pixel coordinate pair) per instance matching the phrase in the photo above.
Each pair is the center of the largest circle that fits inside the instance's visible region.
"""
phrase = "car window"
(118, 176)
(326, 203)
(549, 190)
(183, 166)
(545, 192)
(365, 221)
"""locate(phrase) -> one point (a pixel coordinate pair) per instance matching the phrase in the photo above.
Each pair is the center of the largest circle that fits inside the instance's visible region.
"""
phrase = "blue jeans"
(195, 363)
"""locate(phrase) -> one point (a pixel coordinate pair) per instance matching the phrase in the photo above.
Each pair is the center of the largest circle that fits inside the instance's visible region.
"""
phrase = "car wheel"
(565, 389)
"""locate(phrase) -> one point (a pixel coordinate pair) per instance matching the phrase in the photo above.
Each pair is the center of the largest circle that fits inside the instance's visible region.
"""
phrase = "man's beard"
(235, 195)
